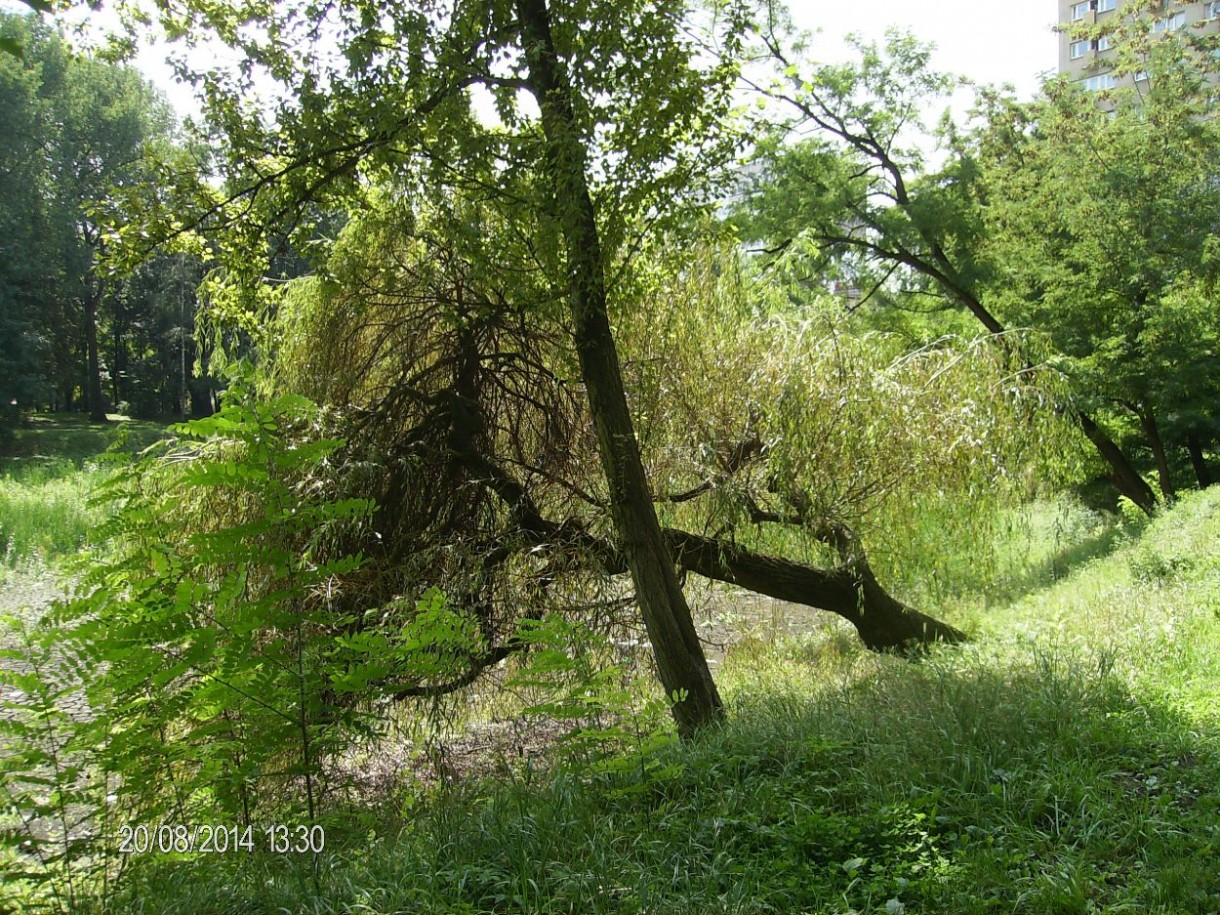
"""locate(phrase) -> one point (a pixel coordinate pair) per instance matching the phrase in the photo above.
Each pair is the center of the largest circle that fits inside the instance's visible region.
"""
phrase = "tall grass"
(1065, 762)
(44, 511)
(47, 469)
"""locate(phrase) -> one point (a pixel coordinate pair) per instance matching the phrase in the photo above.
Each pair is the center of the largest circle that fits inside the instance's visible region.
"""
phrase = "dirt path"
(31, 590)
(26, 595)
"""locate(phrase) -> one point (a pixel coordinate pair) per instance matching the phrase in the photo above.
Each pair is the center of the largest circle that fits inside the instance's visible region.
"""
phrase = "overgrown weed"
(47, 473)
(45, 512)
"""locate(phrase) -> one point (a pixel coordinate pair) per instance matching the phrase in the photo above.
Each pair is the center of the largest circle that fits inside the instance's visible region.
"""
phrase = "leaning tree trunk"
(1124, 476)
(680, 660)
(883, 622)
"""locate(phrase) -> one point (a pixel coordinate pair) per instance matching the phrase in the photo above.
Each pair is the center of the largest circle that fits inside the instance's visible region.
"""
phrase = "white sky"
(989, 41)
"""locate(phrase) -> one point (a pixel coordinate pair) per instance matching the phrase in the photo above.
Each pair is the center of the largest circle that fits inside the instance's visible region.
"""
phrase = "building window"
(1079, 49)
(1080, 10)
(1213, 10)
(1100, 82)
(1141, 75)
(1169, 23)
(1104, 43)
(1104, 5)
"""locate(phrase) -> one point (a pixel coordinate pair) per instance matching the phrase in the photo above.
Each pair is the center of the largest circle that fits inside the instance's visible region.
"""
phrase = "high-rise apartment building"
(1091, 60)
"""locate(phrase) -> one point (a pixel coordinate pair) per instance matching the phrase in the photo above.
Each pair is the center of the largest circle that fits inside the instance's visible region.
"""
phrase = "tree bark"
(93, 377)
(1195, 449)
(1152, 435)
(1124, 476)
(883, 622)
(118, 358)
(680, 661)
(850, 591)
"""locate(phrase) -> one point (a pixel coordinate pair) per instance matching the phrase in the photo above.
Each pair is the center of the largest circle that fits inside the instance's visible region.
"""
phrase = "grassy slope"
(1066, 762)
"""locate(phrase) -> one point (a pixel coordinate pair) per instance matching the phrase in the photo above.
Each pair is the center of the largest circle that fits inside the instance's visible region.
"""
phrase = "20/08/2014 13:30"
(277, 838)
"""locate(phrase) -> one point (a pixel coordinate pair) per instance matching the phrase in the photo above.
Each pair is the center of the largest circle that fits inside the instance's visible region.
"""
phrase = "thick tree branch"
(883, 622)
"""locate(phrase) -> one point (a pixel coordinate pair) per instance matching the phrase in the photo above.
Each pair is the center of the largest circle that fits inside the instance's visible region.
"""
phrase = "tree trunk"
(1152, 435)
(1125, 477)
(93, 377)
(852, 591)
(1195, 449)
(118, 357)
(680, 660)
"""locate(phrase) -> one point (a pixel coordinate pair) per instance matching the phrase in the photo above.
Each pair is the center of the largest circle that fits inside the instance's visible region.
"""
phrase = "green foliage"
(1088, 219)
(1100, 225)
(1066, 762)
(854, 200)
(80, 141)
(916, 450)
(44, 511)
(570, 675)
(202, 645)
(218, 637)
(397, 117)
(50, 797)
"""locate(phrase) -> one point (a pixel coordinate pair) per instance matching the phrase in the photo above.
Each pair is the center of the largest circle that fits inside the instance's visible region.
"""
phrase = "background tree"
(158, 366)
(82, 132)
(857, 192)
(24, 346)
(1101, 226)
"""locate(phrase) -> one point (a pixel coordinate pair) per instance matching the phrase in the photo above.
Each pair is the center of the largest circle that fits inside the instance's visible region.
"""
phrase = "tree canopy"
(81, 137)
(1060, 217)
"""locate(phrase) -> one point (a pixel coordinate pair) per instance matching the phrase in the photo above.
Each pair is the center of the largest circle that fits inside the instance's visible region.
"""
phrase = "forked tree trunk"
(679, 656)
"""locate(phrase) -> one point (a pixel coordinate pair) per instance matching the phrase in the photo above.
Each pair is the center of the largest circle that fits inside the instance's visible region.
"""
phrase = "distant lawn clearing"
(48, 466)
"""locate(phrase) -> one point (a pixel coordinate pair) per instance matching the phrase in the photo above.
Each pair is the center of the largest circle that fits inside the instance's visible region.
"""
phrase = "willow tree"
(582, 123)
(856, 188)
(456, 399)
